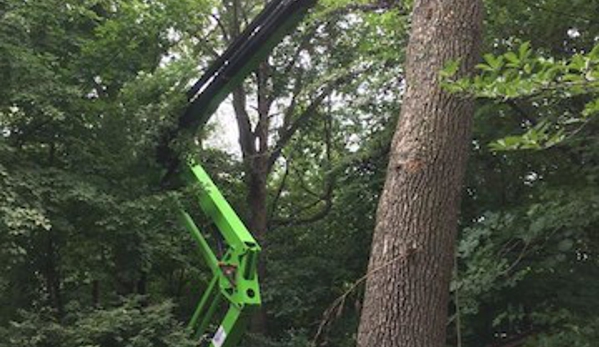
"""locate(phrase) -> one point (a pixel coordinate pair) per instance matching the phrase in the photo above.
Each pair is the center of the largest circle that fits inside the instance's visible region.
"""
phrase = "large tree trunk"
(407, 290)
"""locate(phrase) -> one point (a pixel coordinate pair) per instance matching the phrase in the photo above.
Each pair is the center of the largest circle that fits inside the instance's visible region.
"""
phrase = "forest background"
(92, 254)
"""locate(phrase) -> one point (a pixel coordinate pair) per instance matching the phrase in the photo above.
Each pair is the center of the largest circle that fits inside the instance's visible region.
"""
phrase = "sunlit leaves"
(541, 136)
(523, 74)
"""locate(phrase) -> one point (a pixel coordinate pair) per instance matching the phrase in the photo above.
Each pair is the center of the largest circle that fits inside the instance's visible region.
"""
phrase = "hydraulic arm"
(234, 285)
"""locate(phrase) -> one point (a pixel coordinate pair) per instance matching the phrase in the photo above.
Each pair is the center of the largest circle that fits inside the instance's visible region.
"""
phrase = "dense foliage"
(92, 255)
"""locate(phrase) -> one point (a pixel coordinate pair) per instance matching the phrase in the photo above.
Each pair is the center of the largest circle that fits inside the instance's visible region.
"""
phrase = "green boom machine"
(234, 285)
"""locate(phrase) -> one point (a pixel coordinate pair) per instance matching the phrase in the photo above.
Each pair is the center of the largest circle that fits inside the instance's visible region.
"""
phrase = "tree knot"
(411, 166)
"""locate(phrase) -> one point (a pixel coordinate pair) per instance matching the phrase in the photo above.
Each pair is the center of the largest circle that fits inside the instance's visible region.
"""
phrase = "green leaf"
(591, 108)
(524, 51)
(494, 62)
(513, 59)
(450, 68)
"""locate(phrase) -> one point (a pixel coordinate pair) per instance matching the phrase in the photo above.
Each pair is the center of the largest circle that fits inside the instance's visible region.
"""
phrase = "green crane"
(235, 278)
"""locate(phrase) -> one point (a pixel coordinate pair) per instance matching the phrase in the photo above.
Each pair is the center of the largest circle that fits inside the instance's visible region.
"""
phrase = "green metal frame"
(235, 275)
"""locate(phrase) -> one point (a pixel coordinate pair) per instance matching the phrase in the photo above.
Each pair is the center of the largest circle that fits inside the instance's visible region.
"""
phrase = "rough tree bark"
(407, 290)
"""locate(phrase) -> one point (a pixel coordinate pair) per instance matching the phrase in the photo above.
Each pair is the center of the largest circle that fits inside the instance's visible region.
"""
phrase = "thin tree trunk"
(96, 293)
(412, 252)
(258, 173)
(181, 284)
(142, 283)
(53, 280)
(254, 146)
(257, 195)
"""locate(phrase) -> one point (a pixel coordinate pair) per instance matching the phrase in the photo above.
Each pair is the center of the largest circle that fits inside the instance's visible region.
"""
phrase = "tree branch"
(264, 105)
(246, 136)
(373, 7)
(328, 200)
(287, 133)
(336, 308)
(275, 201)
(221, 26)
(278, 87)
(327, 197)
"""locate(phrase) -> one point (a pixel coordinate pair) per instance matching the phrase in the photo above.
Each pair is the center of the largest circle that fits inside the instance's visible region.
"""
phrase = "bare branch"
(205, 46)
(264, 105)
(303, 45)
(280, 190)
(287, 133)
(327, 197)
(221, 26)
(246, 136)
(336, 307)
(306, 188)
(373, 7)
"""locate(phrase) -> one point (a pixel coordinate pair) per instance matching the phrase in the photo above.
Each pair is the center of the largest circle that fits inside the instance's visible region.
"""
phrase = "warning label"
(220, 337)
